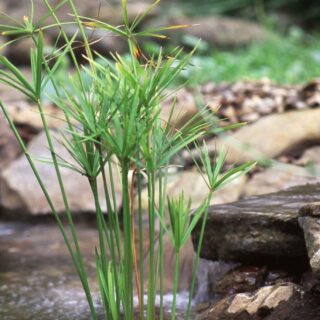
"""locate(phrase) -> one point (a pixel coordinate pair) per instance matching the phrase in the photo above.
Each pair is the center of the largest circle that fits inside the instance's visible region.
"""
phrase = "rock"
(27, 118)
(259, 230)
(21, 194)
(310, 209)
(19, 51)
(11, 95)
(277, 178)
(310, 282)
(24, 114)
(100, 41)
(241, 279)
(287, 133)
(266, 297)
(310, 157)
(250, 278)
(209, 273)
(250, 100)
(251, 117)
(311, 229)
(9, 147)
(272, 136)
(221, 32)
(184, 109)
(197, 190)
(279, 277)
(285, 301)
(310, 88)
(230, 192)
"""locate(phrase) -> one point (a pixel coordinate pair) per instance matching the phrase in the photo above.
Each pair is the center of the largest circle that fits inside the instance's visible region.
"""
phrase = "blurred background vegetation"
(240, 39)
(302, 12)
(289, 54)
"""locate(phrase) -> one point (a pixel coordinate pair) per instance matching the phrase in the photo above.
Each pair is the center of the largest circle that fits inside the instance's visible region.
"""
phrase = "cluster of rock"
(290, 138)
(248, 101)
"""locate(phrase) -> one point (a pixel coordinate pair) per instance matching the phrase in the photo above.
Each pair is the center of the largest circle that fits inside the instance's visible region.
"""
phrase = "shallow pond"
(38, 280)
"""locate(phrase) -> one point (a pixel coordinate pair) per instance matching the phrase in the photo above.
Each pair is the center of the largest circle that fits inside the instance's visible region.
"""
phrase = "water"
(6, 229)
(209, 272)
(39, 282)
(37, 279)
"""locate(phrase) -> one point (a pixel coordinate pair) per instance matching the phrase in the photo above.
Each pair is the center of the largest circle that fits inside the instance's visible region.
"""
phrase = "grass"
(291, 60)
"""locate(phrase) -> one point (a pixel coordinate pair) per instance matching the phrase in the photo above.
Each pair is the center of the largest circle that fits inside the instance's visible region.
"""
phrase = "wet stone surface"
(259, 230)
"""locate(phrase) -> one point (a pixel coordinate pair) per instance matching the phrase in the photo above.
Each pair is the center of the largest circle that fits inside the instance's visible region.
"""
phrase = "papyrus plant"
(111, 109)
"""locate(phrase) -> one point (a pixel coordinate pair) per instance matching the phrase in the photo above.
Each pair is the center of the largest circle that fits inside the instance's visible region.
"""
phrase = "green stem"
(83, 33)
(151, 280)
(127, 238)
(197, 257)
(160, 256)
(175, 285)
(162, 197)
(113, 232)
(100, 219)
(141, 251)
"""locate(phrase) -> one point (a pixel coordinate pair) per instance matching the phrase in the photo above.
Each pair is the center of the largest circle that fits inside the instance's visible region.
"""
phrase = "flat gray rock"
(261, 230)
(21, 194)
